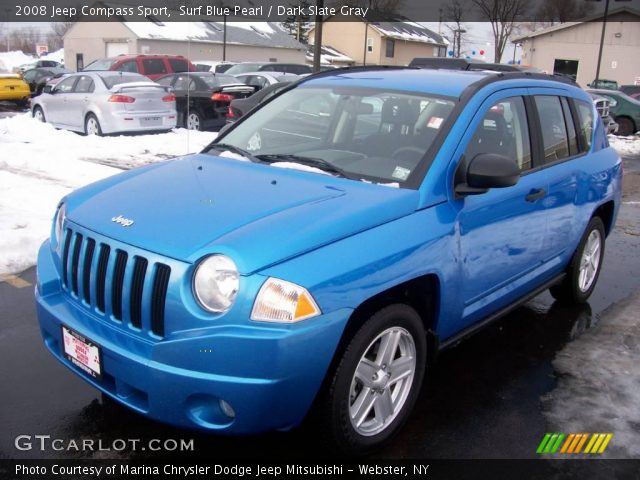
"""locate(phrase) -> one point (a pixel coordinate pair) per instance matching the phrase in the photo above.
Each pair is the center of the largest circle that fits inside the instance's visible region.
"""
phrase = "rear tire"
(584, 269)
(625, 127)
(92, 125)
(38, 114)
(371, 393)
(193, 121)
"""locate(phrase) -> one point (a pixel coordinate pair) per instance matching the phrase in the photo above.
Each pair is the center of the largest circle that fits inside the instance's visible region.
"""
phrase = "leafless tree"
(55, 38)
(503, 16)
(555, 11)
(455, 11)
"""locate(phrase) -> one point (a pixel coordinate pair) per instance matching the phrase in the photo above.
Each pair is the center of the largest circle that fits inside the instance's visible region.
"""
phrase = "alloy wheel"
(382, 381)
(590, 261)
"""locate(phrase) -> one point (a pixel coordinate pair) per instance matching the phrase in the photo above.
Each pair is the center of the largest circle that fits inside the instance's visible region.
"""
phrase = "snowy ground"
(39, 165)
(626, 146)
(13, 59)
(599, 381)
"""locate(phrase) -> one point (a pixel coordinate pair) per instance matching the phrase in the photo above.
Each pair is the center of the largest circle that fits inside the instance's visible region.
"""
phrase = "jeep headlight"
(283, 302)
(58, 223)
(215, 283)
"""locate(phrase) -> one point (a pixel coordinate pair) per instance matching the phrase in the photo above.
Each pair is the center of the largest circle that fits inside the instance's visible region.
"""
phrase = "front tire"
(92, 125)
(584, 269)
(38, 114)
(376, 382)
(625, 127)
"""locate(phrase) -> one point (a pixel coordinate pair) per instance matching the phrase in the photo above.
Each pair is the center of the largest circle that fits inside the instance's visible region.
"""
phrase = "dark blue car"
(325, 246)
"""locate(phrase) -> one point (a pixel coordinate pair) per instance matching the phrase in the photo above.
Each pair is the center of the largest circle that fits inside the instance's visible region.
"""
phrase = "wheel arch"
(421, 293)
(606, 213)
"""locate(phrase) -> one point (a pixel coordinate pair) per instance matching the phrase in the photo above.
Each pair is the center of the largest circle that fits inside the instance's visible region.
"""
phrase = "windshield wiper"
(221, 147)
(309, 161)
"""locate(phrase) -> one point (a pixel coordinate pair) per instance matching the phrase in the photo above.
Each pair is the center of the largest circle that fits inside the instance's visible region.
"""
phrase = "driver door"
(56, 104)
(502, 231)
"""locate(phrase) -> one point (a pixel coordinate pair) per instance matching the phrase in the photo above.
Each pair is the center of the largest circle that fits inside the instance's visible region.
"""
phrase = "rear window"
(178, 65)
(153, 66)
(104, 64)
(244, 68)
(219, 80)
(111, 81)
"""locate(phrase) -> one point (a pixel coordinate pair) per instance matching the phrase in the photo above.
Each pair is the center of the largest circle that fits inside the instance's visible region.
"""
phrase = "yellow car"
(14, 89)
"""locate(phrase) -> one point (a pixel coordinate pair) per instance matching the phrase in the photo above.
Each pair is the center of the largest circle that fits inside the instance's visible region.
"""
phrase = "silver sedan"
(97, 103)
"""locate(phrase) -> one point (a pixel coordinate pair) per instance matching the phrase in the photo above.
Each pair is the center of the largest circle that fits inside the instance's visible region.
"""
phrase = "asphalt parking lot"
(481, 400)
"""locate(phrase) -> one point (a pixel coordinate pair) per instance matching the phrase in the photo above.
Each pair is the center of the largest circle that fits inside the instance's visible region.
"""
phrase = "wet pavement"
(482, 399)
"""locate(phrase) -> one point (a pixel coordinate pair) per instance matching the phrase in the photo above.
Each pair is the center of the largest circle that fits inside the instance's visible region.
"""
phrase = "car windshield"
(372, 135)
(111, 81)
(219, 80)
(243, 68)
(104, 64)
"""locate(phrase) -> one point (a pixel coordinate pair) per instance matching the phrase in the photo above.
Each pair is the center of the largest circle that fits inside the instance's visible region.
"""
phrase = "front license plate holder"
(82, 352)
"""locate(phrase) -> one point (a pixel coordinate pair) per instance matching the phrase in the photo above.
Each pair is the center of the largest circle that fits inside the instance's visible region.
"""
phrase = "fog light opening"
(227, 409)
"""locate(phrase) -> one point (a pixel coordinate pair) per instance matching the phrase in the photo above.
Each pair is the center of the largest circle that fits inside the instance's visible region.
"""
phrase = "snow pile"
(626, 146)
(599, 382)
(39, 165)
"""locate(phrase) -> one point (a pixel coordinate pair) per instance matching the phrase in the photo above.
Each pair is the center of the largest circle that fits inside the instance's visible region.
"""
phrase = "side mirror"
(48, 89)
(488, 170)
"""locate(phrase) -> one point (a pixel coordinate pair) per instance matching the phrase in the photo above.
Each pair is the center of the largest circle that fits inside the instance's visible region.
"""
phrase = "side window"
(153, 66)
(182, 83)
(66, 85)
(166, 81)
(129, 66)
(554, 130)
(178, 65)
(84, 85)
(571, 128)
(503, 130)
(585, 127)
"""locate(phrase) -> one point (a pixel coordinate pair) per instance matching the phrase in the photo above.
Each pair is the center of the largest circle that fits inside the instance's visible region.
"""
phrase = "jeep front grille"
(113, 282)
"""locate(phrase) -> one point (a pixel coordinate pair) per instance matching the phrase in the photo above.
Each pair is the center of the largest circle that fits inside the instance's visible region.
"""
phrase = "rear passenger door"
(566, 130)
(502, 231)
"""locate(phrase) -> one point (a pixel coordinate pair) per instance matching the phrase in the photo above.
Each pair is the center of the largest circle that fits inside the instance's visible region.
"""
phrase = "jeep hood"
(257, 214)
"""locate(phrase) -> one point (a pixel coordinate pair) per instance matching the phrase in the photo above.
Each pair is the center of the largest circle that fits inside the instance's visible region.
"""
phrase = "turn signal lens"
(169, 98)
(121, 99)
(283, 302)
(222, 97)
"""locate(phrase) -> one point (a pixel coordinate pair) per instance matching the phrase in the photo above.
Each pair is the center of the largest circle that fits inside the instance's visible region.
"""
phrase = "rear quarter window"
(154, 66)
(178, 65)
(585, 119)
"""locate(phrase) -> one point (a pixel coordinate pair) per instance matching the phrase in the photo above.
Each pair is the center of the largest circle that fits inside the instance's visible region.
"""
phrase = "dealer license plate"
(83, 353)
(150, 121)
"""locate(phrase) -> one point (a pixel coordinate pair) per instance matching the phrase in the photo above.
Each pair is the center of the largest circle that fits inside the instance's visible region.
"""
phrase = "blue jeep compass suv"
(326, 245)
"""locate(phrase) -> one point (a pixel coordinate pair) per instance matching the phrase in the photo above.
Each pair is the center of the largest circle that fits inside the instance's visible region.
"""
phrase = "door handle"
(535, 194)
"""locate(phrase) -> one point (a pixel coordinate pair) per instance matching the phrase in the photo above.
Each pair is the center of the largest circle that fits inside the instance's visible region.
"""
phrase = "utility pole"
(317, 38)
(366, 34)
(515, 47)
(604, 27)
(224, 39)
(459, 32)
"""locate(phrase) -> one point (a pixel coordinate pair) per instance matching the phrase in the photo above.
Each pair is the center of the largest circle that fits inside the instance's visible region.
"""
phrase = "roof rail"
(355, 68)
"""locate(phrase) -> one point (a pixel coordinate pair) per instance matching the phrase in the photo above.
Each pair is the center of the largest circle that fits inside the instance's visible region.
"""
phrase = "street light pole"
(317, 45)
(604, 27)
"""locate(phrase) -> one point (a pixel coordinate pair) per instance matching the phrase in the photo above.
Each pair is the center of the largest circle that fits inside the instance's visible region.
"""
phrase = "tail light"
(169, 98)
(121, 99)
(222, 97)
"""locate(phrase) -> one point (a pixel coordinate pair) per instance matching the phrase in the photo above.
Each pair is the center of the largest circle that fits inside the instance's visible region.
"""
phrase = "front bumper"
(282, 366)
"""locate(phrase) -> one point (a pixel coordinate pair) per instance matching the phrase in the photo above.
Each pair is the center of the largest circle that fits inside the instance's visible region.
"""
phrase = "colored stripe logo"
(574, 443)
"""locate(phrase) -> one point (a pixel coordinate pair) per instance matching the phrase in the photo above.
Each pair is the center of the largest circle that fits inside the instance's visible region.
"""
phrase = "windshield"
(112, 80)
(104, 64)
(243, 68)
(220, 80)
(372, 135)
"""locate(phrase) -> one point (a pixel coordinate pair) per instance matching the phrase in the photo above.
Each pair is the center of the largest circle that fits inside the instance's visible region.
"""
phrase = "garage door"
(117, 48)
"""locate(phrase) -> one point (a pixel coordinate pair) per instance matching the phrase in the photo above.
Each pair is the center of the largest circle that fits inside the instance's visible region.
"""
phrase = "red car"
(152, 66)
